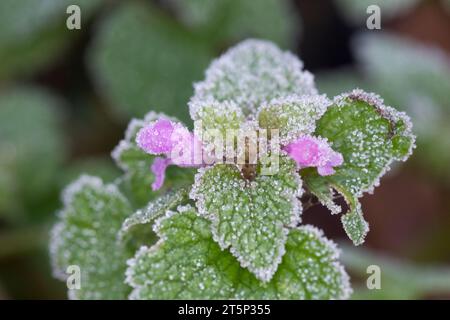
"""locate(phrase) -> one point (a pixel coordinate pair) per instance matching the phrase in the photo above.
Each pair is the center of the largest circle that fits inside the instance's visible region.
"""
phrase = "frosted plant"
(214, 227)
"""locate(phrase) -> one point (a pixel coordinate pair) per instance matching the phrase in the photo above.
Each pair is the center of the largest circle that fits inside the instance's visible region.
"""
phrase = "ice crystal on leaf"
(292, 115)
(86, 235)
(187, 263)
(250, 217)
(254, 72)
(212, 116)
(370, 136)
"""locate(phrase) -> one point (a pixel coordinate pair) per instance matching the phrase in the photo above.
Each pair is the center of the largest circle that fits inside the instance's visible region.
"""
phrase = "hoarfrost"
(251, 73)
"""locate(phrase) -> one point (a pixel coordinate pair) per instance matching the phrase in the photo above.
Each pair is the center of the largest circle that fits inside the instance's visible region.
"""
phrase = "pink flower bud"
(309, 151)
(173, 140)
(156, 138)
(158, 168)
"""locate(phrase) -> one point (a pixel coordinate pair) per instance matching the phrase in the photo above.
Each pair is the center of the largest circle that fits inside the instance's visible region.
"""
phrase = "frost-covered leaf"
(212, 119)
(142, 59)
(33, 33)
(217, 115)
(31, 150)
(135, 163)
(370, 136)
(250, 217)
(86, 236)
(230, 20)
(188, 264)
(137, 229)
(353, 221)
(253, 72)
(292, 115)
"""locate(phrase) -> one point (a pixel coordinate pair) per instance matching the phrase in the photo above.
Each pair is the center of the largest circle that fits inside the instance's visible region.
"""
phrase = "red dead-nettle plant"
(187, 220)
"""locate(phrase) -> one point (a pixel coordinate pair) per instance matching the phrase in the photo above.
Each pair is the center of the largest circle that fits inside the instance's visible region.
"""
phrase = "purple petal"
(305, 151)
(309, 151)
(158, 168)
(325, 171)
(156, 138)
(336, 159)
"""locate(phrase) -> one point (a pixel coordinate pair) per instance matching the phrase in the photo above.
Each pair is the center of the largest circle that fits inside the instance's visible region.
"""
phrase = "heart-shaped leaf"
(250, 217)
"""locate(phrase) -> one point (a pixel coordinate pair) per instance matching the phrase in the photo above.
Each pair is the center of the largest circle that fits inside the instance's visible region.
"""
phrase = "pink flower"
(174, 141)
(156, 138)
(310, 151)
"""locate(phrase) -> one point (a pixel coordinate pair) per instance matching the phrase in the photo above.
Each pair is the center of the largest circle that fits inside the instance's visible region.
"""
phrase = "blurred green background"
(66, 97)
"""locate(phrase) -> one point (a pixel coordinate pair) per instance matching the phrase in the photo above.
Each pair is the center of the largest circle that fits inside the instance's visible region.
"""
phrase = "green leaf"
(250, 217)
(135, 163)
(187, 263)
(136, 229)
(86, 236)
(293, 116)
(212, 120)
(216, 115)
(370, 136)
(140, 53)
(31, 137)
(251, 73)
(353, 222)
